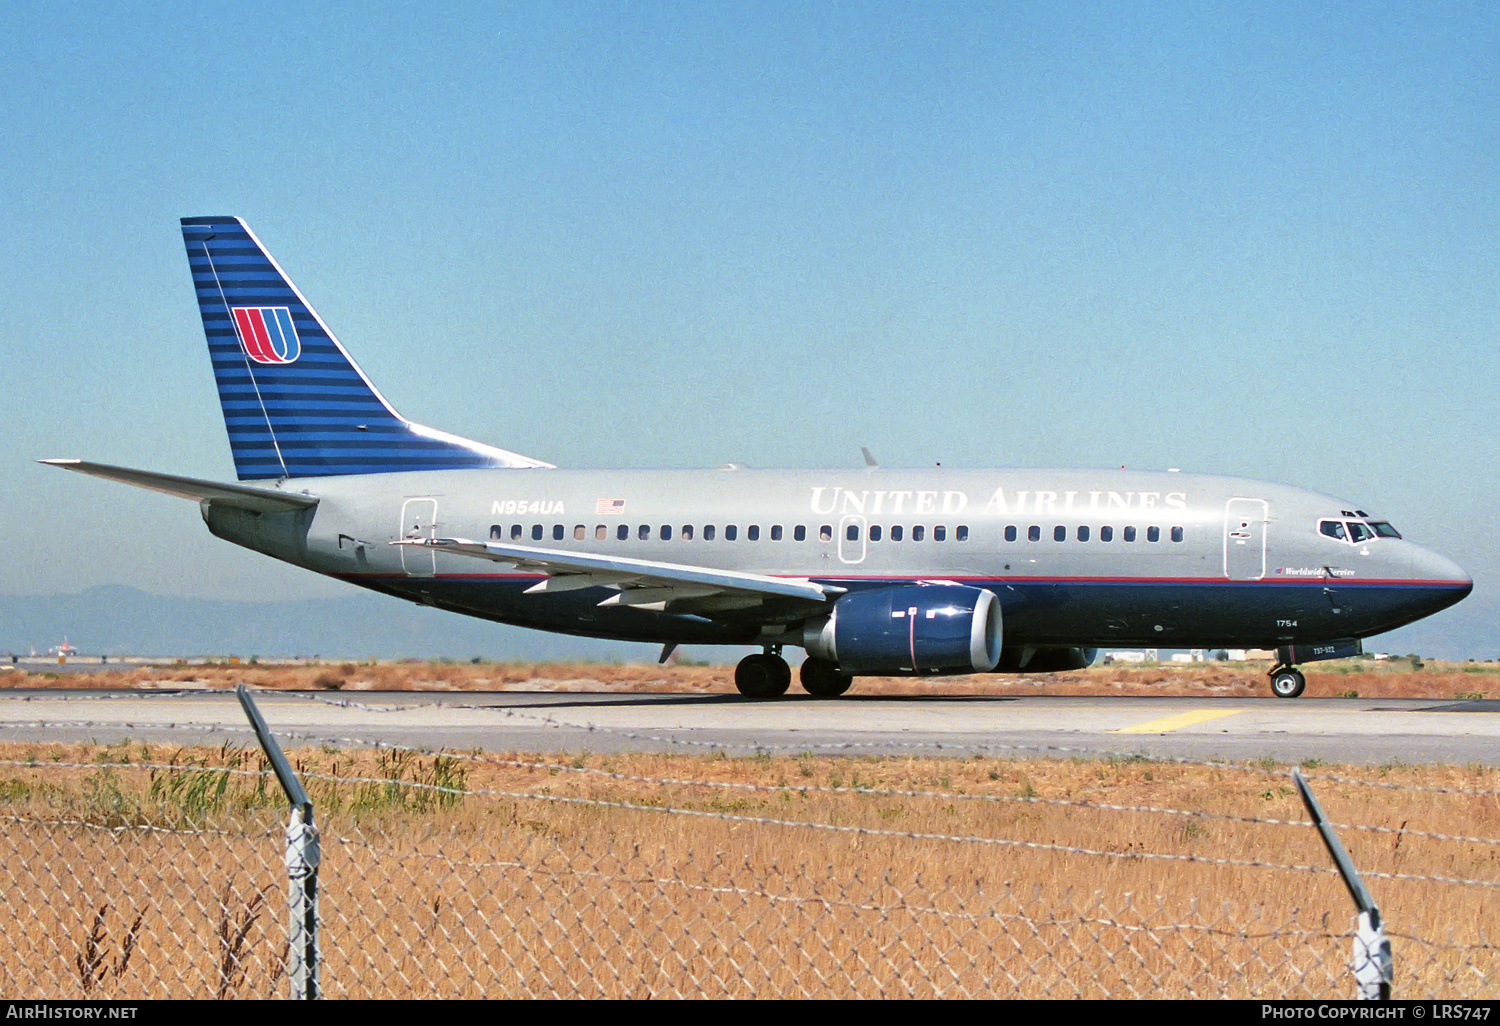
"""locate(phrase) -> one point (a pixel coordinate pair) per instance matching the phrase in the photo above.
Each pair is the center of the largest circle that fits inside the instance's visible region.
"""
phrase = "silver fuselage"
(1077, 558)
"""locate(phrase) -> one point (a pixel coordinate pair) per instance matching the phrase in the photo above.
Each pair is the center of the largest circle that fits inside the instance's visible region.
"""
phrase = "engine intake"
(913, 630)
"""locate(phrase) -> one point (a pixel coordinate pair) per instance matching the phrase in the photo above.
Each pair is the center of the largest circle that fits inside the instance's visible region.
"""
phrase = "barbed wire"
(796, 824)
(486, 759)
(126, 828)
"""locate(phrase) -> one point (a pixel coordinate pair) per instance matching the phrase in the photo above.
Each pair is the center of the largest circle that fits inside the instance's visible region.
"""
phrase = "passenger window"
(1033, 533)
(896, 533)
(1130, 534)
(1059, 534)
(601, 533)
(1010, 532)
(875, 532)
(1333, 529)
(962, 534)
(687, 532)
(708, 533)
(515, 532)
(940, 533)
(1153, 534)
(536, 532)
(623, 532)
(825, 533)
(918, 532)
(579, 532)
(557, 532)
(799, 533)
(730, 532)
(776, 532)
(752, 533)
(644, 532)
(1083, 534)
(496, 533)
(666, 532)
(1106, 534)
(1177, 534)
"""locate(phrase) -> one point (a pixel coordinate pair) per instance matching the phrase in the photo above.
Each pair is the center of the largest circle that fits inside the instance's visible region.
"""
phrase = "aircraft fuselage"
(1077, 558)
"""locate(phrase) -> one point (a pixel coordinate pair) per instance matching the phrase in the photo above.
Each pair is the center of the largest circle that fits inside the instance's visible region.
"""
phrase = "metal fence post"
(1373, 968)
(302, 857)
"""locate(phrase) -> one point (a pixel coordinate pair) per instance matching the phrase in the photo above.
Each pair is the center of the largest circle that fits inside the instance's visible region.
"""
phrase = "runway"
(1409, 731)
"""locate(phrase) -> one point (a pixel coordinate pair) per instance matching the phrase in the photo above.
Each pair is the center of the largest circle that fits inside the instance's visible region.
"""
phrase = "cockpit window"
(1356, 532)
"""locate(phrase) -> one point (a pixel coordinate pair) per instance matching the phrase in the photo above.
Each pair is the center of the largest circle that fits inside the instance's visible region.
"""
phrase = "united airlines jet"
(871, 571)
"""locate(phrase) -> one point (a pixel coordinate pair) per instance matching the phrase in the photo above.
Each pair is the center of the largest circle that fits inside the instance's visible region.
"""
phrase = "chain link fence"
(147, 872)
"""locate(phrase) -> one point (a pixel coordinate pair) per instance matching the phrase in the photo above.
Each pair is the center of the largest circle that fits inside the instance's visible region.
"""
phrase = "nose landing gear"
(1287, 681)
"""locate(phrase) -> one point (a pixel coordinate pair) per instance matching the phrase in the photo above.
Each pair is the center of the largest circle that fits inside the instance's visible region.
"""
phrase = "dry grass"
(1364, 678)
(506, 889)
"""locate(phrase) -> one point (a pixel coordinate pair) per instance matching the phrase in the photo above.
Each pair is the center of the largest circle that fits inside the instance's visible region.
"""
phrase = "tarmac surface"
(1409, 731)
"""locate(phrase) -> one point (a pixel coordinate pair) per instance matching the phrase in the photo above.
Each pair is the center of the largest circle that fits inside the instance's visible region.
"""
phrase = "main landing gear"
(1287, 681)
(823, 678)
(767, 675)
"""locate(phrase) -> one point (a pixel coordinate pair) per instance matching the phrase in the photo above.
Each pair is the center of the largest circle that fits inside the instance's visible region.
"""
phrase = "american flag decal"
(610, 506)
(266, 333)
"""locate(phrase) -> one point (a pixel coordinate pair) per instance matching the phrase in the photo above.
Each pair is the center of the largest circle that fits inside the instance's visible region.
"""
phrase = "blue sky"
(1255, 241)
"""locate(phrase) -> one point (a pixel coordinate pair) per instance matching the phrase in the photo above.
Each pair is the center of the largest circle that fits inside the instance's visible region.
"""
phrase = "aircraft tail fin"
(295, 403)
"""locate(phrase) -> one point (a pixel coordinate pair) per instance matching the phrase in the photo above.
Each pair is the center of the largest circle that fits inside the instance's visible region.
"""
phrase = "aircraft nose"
(1429, 566)
(1433, 569)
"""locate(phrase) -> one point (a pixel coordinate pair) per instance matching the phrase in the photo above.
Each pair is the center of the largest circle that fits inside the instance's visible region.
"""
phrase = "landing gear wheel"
(822, 678)
(1287, 682)
(762, 676)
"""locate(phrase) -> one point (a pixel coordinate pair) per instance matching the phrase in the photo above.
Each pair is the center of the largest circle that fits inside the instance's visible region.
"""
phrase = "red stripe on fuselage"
(983, 580)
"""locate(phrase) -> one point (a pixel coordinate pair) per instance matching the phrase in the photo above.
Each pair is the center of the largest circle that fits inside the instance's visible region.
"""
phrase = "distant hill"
(117, 620)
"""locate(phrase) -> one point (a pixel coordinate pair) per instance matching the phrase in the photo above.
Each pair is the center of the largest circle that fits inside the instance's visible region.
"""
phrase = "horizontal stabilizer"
(246, 497)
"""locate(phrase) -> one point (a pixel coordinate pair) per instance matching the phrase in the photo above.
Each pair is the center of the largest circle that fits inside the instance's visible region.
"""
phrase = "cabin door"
(418, 520)
(1245, 539)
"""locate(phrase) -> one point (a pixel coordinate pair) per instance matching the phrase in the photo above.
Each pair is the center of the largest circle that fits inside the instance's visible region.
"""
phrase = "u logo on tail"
(267, 334)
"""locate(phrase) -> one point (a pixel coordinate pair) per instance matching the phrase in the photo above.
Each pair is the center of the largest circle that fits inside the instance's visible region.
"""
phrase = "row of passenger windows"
(1106, 534)
(875, 533)
(710, 532)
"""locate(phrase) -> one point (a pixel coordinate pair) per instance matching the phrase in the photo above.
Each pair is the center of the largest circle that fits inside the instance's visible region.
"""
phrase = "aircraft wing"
(643, 583)
(248, 497)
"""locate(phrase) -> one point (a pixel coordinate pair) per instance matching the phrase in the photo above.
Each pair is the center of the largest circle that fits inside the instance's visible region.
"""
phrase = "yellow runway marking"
(1177, 722)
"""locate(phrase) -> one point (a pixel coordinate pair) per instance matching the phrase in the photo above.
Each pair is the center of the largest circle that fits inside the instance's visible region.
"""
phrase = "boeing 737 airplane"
(871, 571)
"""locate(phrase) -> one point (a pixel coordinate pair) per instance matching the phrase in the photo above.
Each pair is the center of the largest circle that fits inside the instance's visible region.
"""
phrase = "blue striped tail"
(295, 403)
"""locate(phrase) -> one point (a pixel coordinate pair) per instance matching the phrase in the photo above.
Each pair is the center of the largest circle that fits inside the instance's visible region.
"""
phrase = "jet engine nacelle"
(911, 630)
